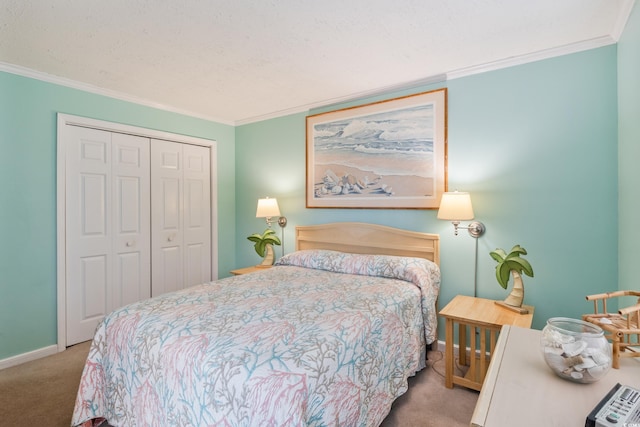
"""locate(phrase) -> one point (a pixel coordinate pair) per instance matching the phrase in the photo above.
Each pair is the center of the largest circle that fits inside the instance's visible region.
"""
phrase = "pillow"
(390, 266)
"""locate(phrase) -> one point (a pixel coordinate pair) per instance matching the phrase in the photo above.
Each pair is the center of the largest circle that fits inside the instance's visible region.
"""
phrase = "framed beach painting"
(385, 155)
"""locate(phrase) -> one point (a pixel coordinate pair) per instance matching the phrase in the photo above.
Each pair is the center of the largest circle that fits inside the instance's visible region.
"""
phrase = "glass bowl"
(575, 350)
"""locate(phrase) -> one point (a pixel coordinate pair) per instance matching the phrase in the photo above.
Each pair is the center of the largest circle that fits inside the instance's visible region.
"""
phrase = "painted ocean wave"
(409, 169)
(397, 142)
(379, 147)
(414, 147)
(415, 123)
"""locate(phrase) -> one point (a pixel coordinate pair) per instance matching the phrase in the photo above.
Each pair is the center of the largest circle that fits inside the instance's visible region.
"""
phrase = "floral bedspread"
(298, 344)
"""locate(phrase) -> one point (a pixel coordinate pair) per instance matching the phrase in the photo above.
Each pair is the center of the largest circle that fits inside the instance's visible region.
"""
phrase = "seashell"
(597, 371)
(345, 189)
(330, 177)
(600, 358)
(574, 348)
(328, 183)
(577, 375)
(586, 364)
(349, 179)
(556, 338)
(356, 189)
(555, 361)
(337, 189)
(553, 350)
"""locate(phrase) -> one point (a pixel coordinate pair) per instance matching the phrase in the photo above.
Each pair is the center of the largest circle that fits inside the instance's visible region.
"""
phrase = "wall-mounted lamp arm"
(475, 229)
(282, 221)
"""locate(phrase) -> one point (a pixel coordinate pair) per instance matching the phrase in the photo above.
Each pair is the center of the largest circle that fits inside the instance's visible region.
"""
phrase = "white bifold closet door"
(137, 222)
(180, 216)
(107, 226)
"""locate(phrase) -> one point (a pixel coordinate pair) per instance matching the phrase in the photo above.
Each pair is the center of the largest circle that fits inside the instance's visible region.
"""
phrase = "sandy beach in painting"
(401, 185)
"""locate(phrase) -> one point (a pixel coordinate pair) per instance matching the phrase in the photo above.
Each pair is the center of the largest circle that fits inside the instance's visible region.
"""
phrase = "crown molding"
(327, 103)
(532, 57)
(623, 17)
(50, 78)
(455, 74)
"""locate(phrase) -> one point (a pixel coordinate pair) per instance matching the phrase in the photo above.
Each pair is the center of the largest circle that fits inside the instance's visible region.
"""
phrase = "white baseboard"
(28, 357)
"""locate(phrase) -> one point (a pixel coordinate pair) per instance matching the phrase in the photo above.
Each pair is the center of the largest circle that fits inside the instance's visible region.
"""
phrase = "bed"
(327, 336)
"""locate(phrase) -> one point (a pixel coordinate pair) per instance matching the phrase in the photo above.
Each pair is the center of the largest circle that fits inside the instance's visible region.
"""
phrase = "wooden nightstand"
(475, 316)
(247, 270)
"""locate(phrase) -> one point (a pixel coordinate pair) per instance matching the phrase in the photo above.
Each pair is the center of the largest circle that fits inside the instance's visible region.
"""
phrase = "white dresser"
(521, 390)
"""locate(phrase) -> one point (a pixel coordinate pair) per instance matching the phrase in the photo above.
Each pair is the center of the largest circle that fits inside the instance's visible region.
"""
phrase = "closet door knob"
(129, 244)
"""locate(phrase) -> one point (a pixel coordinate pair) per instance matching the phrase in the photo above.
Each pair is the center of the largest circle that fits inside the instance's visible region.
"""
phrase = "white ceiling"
(238, 61)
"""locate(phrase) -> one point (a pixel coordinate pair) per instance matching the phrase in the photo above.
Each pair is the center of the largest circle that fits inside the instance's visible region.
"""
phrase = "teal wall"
(535, 144)
(28, 110)
(629, 151)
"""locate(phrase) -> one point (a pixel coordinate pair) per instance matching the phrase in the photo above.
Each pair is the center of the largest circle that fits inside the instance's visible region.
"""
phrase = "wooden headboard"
(362, 238)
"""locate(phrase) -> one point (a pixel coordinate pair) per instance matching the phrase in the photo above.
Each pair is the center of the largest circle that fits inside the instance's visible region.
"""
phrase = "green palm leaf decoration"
(262, 240)
(511, 261)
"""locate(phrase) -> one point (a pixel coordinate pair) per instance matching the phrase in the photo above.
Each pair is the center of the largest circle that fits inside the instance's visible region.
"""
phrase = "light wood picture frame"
(385, 155)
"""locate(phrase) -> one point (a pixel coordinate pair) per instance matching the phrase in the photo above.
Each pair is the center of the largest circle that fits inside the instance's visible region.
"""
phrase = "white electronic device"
(619, 408)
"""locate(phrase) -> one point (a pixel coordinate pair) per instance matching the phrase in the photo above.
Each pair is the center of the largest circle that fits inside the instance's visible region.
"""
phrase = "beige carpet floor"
(42, 393)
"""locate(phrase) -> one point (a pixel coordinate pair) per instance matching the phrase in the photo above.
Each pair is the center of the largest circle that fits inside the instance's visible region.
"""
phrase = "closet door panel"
(197, 225)
(171, 205)
(88, 229)
(194, 271)
(94, 286)
(169, 274)
(166, 217)
(132, 276)
(131, 207)
(181, 215)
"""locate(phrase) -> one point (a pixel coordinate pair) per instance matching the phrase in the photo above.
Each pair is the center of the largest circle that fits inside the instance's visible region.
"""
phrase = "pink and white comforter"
(299, 344)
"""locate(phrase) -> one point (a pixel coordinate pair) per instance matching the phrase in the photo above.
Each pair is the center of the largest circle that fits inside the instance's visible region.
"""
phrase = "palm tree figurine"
(264, 246)
(512, 264)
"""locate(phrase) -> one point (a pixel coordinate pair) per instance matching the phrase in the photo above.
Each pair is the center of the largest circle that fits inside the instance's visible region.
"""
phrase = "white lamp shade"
(455, 206)
(267, 208)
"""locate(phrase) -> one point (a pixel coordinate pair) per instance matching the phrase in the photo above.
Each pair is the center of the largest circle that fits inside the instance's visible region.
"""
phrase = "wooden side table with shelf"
(481, 320)
(247, 270)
